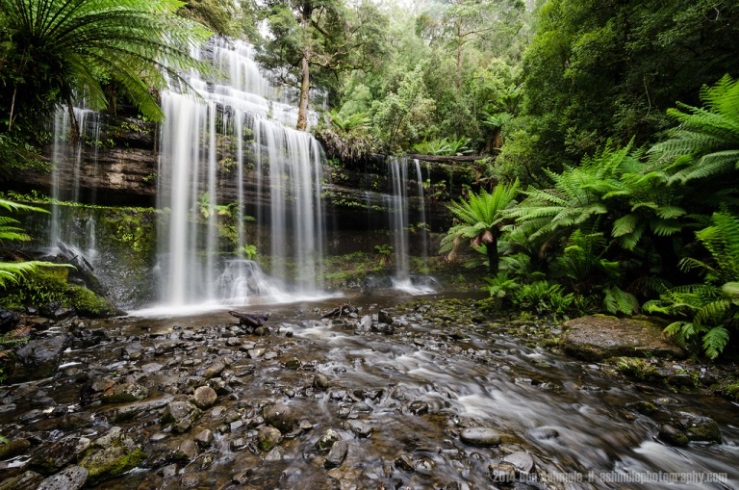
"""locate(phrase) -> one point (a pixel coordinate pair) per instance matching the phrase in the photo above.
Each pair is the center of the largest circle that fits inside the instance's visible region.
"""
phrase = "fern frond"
(715, 340)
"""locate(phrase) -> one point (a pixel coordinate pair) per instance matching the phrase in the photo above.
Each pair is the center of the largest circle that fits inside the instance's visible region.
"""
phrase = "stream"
(384, 396)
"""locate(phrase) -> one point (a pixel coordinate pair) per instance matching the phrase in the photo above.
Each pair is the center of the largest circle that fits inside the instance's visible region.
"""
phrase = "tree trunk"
(493, 260)
(304, 92)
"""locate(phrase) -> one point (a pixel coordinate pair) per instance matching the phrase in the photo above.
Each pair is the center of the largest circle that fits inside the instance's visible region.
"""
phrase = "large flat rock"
(597, 337)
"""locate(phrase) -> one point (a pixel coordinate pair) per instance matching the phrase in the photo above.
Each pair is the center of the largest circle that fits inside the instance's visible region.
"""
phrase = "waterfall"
(227, 158)
(400, 224)
(68, 158)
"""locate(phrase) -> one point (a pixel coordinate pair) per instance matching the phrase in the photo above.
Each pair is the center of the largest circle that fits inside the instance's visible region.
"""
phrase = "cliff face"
(121, 168)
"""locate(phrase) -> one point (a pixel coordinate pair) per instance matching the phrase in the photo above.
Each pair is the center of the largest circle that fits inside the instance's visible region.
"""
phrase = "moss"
(108, 468)
(87, 303)
(49, 286)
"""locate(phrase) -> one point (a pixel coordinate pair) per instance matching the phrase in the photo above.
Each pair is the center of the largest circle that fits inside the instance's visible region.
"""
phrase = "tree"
(480, 220)
(64, 51)
(598, 71)
(319, 39)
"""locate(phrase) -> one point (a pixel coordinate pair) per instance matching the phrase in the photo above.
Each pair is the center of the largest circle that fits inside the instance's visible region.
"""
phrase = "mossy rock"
(598, 337)
(111, 455)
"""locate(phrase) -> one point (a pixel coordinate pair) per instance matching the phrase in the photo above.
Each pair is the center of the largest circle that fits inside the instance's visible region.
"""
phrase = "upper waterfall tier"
(236, 126)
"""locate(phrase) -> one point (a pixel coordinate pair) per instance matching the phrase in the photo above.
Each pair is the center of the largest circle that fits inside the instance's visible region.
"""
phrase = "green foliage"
(543, 297)
(56, 51)
(249, 251)
(596, 71)
(12, 272)
(443, 146)
(479, 219)
(617, 301)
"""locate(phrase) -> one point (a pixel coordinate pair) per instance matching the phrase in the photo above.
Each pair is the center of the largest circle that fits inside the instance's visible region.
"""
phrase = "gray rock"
(268, 438)
(598, 337)
(280, 416)
(181, 414)
(204, 438)
(700, 429)
(327, 440)
(124, 393)
(360, 429)
(274, 455)
(480, 436)
(28, 480)
(673, 436)
(214, 370)
(187, 451)
(71, 478)
(320, 381)
(337, 455)
(418, 407)
(111, 455)
(8, 320)
(52, 458)
(255, 353)
(384, 317)
(39, 358)
(522, 460)
(204, 397)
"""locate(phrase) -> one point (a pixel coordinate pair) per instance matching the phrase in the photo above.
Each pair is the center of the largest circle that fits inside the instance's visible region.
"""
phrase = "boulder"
(181, 414)
(38, 359)
(111, 455)
(8, 320)
(280, 416)
(597, 337)
(204, 397)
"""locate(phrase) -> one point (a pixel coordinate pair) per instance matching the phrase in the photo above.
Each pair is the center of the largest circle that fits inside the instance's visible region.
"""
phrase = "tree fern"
(135, 44)
(480, 218)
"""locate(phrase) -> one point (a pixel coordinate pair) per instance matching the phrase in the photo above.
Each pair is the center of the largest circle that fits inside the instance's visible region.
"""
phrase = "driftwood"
(252, 319)
(443, 159)
(345, 309)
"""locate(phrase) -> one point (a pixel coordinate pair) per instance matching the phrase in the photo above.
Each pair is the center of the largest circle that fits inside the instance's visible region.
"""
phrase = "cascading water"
(233, 141)
(67, 158)
(399, 204)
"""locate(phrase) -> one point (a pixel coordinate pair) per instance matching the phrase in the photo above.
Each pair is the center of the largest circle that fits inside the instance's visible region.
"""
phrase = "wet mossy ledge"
(48, 292)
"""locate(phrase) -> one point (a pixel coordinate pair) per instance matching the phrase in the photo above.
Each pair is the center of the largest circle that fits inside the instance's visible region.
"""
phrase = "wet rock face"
(111, 455)
(597, 337)
(480, 436)
(8, 320)
(72, 478)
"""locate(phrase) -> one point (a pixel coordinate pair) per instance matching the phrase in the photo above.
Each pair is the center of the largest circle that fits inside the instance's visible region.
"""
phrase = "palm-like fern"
(710, 311)
(11, 272)
(706, 143)
(480, 219)
(65, 48)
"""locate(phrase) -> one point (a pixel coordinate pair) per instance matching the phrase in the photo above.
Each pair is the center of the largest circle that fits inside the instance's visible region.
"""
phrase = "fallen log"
(252, 319)
(345, 309)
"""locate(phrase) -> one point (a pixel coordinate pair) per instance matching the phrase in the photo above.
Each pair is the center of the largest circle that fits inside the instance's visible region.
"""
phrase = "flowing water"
(403, 174)
(399, 398)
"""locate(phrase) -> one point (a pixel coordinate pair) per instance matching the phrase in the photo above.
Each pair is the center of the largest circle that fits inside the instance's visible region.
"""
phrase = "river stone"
(28, 480)
(111, 455)
(327, 440)
(673, 436)
(480, 436)
(8, 320)
(71, 478)
(214, 370)
(268, 438)
(181, 414)
(337, 455)
(320, 381)
(280, 416)
(700, 429)
(274, 455)
(597, 337)
(361, 429)
(124, 393)
(14, 448)
(522, 460)
(39, 358)
(403, 462)
(204, 397)
(544, 433)
(204, 438)
(52, 458)
(187, 451)
(502, 472)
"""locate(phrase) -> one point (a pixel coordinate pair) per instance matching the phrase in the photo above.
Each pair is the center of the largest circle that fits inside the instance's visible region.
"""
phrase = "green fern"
(618, 301)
